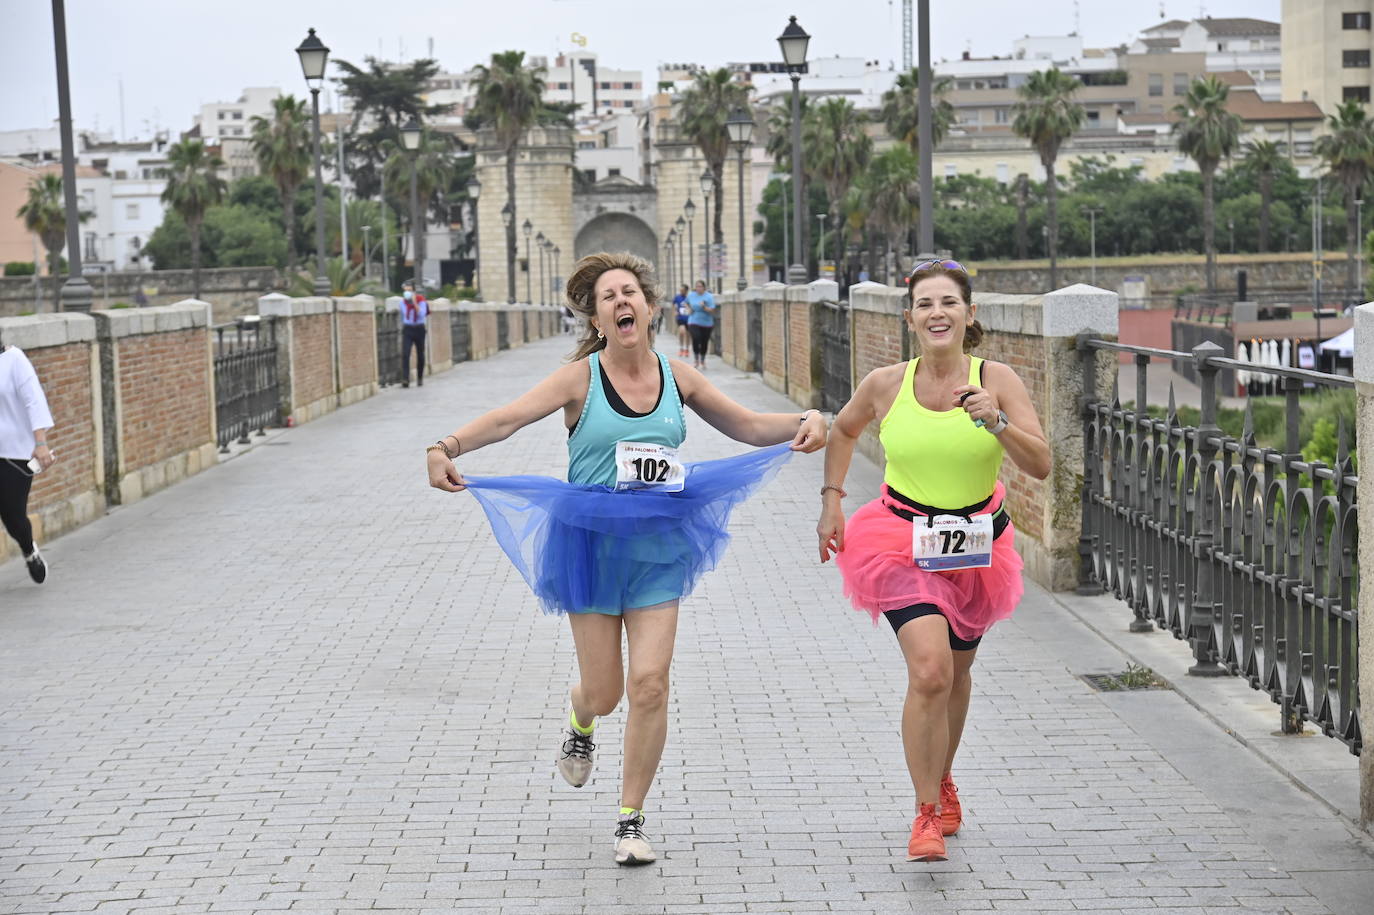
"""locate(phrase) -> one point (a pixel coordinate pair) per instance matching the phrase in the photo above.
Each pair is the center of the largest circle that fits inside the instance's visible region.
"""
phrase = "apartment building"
(1326, 51)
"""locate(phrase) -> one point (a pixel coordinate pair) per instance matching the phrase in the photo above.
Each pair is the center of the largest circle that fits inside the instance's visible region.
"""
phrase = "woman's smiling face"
(938, 315)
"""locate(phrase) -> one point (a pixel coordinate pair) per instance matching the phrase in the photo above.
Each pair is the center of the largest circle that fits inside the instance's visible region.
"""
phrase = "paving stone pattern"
(303, 680)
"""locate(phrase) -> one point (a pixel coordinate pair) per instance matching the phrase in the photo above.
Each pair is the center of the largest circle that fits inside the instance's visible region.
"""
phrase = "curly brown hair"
(582, 285)
(973, 334)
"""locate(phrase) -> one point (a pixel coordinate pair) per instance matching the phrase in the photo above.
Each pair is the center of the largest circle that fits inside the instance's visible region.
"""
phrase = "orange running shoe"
(927, 844)
(951, 814)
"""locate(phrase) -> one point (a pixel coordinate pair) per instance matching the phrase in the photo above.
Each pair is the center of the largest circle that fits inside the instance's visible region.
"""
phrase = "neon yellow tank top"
(938, 458)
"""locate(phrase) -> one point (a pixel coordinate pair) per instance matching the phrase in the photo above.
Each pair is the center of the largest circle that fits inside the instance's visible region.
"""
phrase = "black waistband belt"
(1000, 518)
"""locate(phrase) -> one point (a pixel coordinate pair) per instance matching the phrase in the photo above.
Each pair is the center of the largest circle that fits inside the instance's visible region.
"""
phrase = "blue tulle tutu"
(591, 549)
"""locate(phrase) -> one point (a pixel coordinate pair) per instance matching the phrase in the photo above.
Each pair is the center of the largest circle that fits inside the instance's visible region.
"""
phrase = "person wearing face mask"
(414, 325)
(617, 546)
(24, 424)
(919, 554)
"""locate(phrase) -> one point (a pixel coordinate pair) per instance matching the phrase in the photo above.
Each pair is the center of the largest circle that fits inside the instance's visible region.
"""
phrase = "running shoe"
(575, 755)
(631, 844)
(951, 814)
(38, 569)
(927, 843)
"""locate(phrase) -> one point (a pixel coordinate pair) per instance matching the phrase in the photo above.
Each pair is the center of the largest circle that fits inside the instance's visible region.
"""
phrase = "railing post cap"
(1066, 312)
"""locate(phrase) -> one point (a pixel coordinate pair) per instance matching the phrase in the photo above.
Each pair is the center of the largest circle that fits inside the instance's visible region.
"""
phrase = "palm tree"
(384, 96)
(45, 215)
(1262, 158)
(510, 99)
(900, 109)
(890, 191)
(705, 106)
(193, 186)
(1047, 115)
(282, 147)
(838, 150)
(1208, 133)
(1348, 149)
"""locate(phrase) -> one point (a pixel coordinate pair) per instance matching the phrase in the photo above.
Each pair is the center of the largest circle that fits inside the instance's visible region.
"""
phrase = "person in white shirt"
(24, 424)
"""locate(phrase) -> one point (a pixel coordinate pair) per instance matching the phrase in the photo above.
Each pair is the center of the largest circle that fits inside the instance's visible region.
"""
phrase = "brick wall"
(805, 365)
(483, 337)
(357, 349)
(774, 330)
(1026, 355)
(440, 338)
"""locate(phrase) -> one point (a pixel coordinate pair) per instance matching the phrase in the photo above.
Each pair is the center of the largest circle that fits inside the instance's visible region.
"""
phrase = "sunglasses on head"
(948, 265)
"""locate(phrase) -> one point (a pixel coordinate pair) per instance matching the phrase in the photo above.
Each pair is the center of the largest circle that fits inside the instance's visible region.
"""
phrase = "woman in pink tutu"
(934, 553)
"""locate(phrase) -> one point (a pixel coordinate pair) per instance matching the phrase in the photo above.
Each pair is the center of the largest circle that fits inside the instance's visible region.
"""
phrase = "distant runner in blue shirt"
(701, 321)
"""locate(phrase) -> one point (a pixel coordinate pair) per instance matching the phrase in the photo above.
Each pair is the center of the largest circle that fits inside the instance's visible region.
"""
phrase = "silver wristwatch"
(1002, 423)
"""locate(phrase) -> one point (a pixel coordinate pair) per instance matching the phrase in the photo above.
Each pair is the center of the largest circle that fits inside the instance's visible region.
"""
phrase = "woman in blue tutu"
(630, 532)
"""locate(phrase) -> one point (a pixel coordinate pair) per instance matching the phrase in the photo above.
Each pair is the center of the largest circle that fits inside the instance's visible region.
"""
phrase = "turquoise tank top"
(591, 447)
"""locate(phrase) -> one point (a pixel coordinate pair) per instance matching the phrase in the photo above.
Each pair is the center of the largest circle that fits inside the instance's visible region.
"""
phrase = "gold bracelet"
(838, 489)
(452, 455)
(437, 446)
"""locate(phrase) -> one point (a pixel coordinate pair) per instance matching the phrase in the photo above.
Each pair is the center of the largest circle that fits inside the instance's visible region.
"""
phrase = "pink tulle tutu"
(879, 574)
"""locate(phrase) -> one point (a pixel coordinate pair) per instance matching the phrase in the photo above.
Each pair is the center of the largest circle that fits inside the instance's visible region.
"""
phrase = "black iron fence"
(247, 392)
(388, 347)
(1215, 308)
(834, 333)
(1248, 552)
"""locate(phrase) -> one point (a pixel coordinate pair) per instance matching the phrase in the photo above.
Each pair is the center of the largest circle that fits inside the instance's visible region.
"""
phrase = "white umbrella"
(1242, 376)
(1342, 345)
(1286, 354)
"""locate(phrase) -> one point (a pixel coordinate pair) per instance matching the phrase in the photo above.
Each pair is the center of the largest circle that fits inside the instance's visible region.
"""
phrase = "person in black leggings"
(24, 424)
(701, 321)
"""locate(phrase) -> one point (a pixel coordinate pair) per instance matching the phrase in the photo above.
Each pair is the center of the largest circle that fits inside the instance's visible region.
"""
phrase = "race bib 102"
(948, 542)
(640, 465)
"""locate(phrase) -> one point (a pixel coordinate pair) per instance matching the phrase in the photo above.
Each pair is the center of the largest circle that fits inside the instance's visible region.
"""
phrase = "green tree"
(1263, 159)
(282, 146)
(1348, 149)
(838, 150)
(232, 235)
(1208, 133)
(1047, 115)
(779, 147)
(901, 110)
(45, 215)
(385, 97)
(193, 186)
(344, 279)
(509, 99)
(433, 164)
(891, 192)
(702, 113)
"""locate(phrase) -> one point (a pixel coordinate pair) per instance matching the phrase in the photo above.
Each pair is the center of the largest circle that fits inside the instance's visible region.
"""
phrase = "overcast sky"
(171, 56)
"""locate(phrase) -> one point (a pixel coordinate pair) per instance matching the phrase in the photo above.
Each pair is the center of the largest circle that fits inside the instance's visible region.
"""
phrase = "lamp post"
(367, 254)
(786, 243)
(793, 42)
(681, 228)
(740, 126)
(708, 186)
(76, 293)
(557, 278)
(410, 138)
(1231, 225)
(690, 209)
(507, 218)
(820, 264)
(314, 57)
(1092, 212)
(386, 218)
(1354, 296)
(672, 255)
(527, 228)
(539, 243)
(474, 188)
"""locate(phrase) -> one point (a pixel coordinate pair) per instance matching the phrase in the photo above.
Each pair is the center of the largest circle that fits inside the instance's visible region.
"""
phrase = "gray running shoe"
(575, 756)
(631, 844)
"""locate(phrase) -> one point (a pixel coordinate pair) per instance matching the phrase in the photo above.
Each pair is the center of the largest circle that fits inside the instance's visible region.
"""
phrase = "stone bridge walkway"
(305, 681)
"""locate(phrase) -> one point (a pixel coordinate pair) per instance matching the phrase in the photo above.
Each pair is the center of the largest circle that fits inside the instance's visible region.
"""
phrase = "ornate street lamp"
(540, 243)
(681, 228)
(793, 42)
(410, 139)
(557, 277)
(474, 188)
(671, 243)
(527, 228)
(690, 209)
(708, 186)
(367, 255)
(507, 219)
(740, 126)
(314, 57)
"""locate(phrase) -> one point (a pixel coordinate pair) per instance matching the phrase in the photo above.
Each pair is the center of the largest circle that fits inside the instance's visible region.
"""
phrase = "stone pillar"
(1364, 446)
(804, 343)
(63, 350)
(305, 357)
(355, 334)
(729, 316)
(543, 195)
(1036, 336)
(678, 177)
(775, 355)
(439, 340)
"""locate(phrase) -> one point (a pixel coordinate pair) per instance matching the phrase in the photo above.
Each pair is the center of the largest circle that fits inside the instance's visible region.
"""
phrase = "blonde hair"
(582, 286)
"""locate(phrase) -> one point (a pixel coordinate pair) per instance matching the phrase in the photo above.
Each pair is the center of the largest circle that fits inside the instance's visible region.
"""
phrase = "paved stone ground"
(303, 680)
